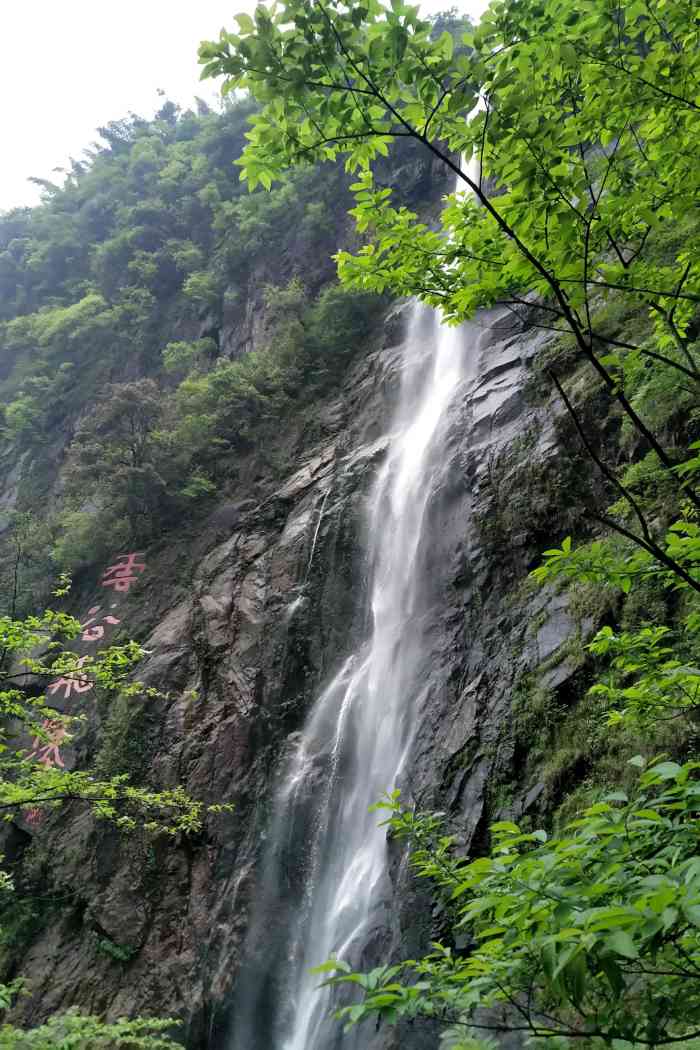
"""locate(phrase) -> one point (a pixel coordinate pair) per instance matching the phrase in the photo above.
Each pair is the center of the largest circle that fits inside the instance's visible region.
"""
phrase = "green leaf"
(666, 770)
(621, 943)
(330, 966)
(613, 974)
(692, 913)
(245, 23)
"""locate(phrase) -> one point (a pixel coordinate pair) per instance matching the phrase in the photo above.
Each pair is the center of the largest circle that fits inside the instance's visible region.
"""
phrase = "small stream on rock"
(324, 886)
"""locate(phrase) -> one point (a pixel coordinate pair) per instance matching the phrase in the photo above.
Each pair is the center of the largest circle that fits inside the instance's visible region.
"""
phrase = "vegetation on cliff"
(34, 782)
(122, 414)
(116, 296)
(584, 125)
(123, 399)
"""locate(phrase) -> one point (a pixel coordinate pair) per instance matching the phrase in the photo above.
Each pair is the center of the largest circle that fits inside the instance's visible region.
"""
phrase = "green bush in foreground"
(74, 1031)
(593, 933)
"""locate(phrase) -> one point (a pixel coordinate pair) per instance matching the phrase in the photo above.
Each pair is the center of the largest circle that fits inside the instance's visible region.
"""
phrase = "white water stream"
(325, 856)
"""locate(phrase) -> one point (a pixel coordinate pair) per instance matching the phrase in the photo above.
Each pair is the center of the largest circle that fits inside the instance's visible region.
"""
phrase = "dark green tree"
(114, 458)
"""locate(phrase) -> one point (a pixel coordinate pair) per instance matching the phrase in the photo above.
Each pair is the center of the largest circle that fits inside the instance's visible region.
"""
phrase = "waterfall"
(323, 882)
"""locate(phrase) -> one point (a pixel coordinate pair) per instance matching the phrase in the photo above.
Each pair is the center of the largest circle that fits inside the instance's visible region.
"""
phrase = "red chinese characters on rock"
(47, 751)
(72, 684)
(121, 574)
(94, 634)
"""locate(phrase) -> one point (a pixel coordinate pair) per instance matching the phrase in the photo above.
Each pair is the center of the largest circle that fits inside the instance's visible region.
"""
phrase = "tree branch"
(646, 541)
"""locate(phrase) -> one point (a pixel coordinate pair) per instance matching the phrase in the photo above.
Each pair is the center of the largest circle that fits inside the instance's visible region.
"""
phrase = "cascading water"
(325, 856)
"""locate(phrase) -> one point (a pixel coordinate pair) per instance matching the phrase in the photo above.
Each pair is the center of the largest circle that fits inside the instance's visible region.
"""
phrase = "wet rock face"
(273, 605)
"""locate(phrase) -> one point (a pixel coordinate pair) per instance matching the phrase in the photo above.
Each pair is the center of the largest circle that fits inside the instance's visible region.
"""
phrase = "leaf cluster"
(75, 1031)
(33, 651)
(594, 933)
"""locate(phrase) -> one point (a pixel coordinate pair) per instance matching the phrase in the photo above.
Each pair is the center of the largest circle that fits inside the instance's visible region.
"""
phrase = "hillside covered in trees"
(213, 389)
(114, 294)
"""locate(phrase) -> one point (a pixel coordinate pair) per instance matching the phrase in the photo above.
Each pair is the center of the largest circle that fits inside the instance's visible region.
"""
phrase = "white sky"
(70, 66)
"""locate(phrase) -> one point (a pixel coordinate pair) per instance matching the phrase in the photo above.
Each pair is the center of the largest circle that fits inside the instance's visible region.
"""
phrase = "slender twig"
(635, 76)
(646, 541)
(599, 337)
(484, 130)
(435, 108)
(660, 292)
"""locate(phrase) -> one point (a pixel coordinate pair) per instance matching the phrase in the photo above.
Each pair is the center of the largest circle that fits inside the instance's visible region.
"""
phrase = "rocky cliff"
(244, 625)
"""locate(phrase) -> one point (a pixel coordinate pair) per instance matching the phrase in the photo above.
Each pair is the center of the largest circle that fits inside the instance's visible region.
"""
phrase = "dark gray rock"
(242, 649)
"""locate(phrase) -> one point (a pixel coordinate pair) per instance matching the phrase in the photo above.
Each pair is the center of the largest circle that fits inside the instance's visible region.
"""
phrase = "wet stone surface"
(244, 648)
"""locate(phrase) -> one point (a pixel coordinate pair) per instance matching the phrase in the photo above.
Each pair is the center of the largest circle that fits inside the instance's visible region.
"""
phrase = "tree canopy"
(582, 126)
(126, 300)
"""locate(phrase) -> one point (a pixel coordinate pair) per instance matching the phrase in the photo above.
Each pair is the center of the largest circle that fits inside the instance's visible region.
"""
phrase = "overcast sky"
(68, 67)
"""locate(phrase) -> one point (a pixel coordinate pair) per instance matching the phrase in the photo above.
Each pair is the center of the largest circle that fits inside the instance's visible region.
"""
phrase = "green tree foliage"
(114, 459)
(591, 934)
(235, 405)
(132, 203)
(33, 651)
(25, 563)
(75, 1031)
(114, 294)
(553, 83)
(182, 356)
(584, 140)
